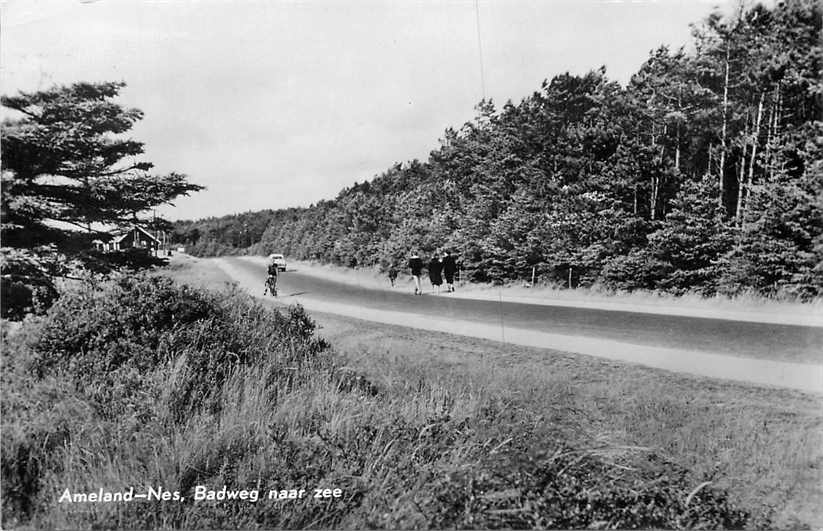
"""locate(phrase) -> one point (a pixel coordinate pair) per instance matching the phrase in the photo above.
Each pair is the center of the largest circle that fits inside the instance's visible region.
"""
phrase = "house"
(133, 238)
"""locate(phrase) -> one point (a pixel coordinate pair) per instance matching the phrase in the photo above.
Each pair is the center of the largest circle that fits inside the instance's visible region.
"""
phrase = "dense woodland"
(704, 174)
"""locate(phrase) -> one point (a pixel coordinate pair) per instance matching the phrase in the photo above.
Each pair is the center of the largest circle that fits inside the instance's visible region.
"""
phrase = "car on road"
(278, 259)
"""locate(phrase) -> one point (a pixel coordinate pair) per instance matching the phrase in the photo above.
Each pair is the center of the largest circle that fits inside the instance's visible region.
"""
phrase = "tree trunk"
(658, 178)
(741, 172)
(774, 129)
(725, 123)
(677, 151)
(663, 146)
(755, 141)
(769, 129)
(653, 191)
(653, 199)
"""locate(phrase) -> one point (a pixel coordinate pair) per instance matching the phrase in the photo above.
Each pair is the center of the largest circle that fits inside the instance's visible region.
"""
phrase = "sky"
(272, 104)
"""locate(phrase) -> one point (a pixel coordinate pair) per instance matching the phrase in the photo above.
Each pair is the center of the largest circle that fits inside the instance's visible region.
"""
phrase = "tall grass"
(140, 382)
(764, 445)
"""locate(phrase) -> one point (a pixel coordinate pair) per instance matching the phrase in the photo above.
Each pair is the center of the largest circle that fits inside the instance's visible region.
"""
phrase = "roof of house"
(120, 237)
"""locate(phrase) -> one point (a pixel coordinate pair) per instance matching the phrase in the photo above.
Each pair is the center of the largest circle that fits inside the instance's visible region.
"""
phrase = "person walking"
(449, 269)
(416, 268)
(392, 274)
(435, 270)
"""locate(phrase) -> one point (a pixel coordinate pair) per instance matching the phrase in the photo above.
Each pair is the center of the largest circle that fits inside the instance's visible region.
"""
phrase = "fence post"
(570, 277)
(533, 271)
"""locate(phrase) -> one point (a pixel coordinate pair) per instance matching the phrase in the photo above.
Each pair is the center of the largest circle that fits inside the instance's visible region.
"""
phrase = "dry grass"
(195, 271)
(764, 445)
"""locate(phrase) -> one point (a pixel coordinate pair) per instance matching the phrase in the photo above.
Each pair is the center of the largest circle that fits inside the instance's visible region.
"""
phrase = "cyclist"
(271, 281)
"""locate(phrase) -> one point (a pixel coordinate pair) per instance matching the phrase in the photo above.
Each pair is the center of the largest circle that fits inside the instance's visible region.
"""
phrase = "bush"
(570, 489)
(636, 271)
(26, 284)
(135, 349)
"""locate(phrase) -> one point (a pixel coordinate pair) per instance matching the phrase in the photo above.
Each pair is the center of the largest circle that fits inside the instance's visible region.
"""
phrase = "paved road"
(737, 338)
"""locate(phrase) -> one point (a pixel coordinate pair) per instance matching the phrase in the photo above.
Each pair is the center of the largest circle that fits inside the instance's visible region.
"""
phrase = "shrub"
(570, 489)
(26, 284)
(135, 349)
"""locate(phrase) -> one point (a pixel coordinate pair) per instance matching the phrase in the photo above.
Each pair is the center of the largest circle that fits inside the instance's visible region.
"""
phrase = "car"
(278, 259)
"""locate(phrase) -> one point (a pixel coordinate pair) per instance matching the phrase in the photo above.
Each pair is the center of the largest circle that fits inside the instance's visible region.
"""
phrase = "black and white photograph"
(411, 264)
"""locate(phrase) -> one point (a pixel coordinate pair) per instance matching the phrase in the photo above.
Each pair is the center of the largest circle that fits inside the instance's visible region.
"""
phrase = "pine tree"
(692, 241)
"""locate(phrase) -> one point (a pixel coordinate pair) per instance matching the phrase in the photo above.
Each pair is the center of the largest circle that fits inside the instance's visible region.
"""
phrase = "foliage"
(135, 349)
(567, 489)
(693, 241)
(25, 287)
(609, 185)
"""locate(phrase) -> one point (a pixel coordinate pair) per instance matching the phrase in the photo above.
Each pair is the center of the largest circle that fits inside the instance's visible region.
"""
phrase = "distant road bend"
(771, 354)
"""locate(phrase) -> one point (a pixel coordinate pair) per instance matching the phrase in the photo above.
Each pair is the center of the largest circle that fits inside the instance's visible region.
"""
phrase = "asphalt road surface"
(799, 344)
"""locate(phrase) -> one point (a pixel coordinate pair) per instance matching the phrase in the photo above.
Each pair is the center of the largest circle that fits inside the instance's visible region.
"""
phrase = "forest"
(704, 174)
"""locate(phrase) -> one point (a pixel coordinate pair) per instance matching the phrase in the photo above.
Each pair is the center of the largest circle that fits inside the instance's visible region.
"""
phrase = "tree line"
(703, 174)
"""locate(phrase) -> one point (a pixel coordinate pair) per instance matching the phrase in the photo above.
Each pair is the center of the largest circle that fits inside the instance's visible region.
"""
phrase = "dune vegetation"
(142, 382)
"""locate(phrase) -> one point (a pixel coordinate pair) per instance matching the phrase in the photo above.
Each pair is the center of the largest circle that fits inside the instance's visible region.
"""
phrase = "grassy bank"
(141, 382)
(764, 446)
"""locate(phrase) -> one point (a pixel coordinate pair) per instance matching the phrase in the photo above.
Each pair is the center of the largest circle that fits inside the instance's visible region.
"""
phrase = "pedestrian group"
(439, 268)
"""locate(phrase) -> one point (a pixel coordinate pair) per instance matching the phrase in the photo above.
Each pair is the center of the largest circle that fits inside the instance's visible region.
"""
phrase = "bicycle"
(270, 286)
